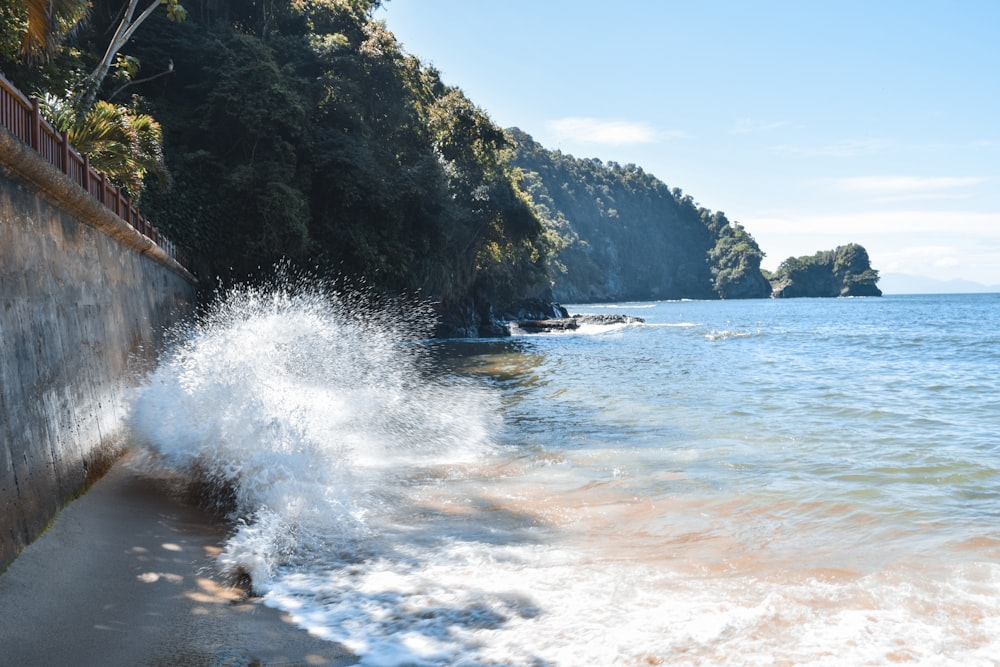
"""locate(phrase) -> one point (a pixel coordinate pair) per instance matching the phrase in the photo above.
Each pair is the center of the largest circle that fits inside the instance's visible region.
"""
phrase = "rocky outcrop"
(749, 285)
(482, 320)
(534, 309)
(571, 323)
(845, 271)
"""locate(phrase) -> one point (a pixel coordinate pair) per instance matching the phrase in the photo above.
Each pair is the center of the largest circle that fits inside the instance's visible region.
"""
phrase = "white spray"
(306, 405)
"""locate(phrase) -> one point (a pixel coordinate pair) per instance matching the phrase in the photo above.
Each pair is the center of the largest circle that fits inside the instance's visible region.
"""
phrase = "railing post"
(104, 189)
(86, 174)
(64, 152)
(36, 125)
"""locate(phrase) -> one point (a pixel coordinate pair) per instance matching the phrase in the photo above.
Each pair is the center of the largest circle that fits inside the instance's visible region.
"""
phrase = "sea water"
(808, 481)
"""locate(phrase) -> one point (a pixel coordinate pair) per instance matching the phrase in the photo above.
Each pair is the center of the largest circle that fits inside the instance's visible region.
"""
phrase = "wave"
(727, 334)
(302, 407)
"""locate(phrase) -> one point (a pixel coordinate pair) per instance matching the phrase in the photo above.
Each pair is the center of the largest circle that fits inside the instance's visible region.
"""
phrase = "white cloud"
(968, 260)
(903, 184)
(984, 225)
(918, 259)
(942, 245)
(923, 196)
(927, 252)
(606, 132)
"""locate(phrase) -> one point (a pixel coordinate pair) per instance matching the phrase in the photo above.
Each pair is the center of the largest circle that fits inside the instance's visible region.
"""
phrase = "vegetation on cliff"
(845, 271)
(620, 233)
(301, 131)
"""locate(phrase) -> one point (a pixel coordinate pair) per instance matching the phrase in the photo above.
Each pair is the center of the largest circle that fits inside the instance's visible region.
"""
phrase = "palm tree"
(48, 22)
(121, 142)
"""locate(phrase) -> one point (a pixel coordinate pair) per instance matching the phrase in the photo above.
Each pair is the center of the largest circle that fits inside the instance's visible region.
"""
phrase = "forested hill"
(295, 131)
(623, 234)
(302, 133)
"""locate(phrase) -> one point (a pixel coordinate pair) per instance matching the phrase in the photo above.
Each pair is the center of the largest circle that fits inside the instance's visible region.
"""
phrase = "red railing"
(21, 117)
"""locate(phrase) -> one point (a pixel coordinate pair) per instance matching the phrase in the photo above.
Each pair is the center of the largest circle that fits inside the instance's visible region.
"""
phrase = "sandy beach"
(126, 576)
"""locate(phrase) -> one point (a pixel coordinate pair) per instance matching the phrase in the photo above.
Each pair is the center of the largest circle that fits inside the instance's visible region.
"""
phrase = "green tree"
(119, 140)
(622, 233)
(129, 23)
(735, 260)
(45, 23)
(301, 130)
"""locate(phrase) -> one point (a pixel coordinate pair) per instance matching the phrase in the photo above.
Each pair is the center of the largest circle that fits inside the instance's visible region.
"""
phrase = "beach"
(126, 576)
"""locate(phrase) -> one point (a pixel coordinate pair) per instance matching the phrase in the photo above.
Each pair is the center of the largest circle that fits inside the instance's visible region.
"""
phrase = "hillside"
(620, 233)
(302, 134)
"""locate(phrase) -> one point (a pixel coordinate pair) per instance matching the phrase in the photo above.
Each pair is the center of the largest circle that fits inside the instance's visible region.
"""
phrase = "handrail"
(21, 116)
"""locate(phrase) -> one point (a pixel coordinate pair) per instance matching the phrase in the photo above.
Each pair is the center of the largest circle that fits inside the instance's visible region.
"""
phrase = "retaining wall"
(84, 301)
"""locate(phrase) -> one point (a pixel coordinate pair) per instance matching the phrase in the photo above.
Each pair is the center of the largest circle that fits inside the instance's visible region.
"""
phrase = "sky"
(814, 124)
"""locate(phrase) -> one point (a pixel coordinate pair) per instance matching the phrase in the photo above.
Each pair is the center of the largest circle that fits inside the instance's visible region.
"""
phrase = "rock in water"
(571, 323)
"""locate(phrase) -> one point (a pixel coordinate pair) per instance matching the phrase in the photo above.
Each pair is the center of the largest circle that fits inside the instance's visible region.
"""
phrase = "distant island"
(845, 271)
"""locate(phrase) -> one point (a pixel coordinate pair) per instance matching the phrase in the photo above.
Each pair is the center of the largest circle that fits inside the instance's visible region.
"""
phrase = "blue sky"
(813, 124)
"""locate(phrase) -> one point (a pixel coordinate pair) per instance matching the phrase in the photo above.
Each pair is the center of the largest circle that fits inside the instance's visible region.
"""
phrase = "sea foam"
(663, 495)
(303, 406)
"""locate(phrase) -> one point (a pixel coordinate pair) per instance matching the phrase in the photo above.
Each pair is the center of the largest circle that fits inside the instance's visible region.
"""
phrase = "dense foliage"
(845, 271)
(298, 129)
(621, 233)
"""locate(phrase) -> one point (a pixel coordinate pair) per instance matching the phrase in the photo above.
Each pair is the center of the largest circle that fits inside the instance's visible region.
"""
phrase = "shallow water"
(761, 482)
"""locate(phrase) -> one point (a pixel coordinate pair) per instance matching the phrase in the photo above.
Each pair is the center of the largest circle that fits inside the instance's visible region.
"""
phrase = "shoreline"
(126, 576)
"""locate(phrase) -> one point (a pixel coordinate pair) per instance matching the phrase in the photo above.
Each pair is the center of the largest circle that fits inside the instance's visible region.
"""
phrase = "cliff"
(845, 271)
(620, 233)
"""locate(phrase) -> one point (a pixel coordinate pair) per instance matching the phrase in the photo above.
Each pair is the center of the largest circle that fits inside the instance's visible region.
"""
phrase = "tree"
(126, 28)
(735, 260)
(619, 232)
(119, 140)
(46, 22)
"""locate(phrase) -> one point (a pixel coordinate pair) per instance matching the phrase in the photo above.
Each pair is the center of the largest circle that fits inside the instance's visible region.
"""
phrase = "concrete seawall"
(84, 300)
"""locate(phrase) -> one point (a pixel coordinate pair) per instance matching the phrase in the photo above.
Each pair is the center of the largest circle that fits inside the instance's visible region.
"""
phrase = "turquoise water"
(761, 482)
(888, 405)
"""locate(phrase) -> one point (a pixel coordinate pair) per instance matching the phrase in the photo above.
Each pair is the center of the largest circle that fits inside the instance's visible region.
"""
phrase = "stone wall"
(84, 301)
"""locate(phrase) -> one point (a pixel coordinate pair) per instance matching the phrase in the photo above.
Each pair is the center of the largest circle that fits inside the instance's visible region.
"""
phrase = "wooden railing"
(20, 115)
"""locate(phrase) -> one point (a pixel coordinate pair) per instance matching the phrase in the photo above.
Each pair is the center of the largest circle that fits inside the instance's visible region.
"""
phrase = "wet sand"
(126, 576)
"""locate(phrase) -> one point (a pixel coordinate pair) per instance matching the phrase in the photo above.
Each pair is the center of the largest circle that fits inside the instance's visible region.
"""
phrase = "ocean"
(798, 482)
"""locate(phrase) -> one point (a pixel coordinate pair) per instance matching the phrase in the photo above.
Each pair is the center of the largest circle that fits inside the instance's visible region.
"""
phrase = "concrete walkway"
(126, 576)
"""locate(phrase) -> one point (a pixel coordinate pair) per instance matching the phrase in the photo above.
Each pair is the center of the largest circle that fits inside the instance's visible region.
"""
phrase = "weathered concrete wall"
(84, 300)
